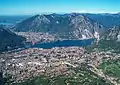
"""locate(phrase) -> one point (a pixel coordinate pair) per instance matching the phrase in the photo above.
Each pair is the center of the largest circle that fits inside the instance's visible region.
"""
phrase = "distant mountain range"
(10, 19)
(68, 26)
(64, 26)
(106, 19)
(9, 40)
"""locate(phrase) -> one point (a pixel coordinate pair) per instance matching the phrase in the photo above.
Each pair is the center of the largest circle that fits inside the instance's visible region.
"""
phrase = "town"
(33, 62)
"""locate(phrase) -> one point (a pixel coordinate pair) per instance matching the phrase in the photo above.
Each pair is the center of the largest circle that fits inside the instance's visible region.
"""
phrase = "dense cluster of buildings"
(34, 62)
(36, 37)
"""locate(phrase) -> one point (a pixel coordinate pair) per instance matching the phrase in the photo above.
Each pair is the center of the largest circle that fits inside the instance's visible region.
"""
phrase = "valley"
(60, 49)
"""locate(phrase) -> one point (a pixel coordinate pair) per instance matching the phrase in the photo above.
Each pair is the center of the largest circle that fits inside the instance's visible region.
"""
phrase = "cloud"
(93, 11)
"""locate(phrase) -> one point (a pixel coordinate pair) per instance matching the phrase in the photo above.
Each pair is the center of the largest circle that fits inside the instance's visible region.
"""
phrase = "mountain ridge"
(66, 25)
(10, 40)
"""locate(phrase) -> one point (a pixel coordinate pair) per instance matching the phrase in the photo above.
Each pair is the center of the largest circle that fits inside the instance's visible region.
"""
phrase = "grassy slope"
(111, 68)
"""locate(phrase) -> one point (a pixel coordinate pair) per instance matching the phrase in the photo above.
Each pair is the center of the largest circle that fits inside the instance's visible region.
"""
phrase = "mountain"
(106, 19)
(113, 34)
(9, 40)
(110, 41)
(70, 26)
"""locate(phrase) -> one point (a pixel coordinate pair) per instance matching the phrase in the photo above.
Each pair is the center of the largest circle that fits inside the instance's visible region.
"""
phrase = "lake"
(65, 43)
(5, 23)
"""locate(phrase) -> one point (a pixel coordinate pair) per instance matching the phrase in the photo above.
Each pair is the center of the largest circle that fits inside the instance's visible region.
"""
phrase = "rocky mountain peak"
(74, 25)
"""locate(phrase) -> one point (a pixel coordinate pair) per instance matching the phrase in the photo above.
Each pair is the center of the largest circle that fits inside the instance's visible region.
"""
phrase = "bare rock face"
(68, 26)
(113, 34)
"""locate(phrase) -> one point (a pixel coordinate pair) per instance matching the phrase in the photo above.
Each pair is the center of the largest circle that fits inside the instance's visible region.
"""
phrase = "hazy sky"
(58, 6)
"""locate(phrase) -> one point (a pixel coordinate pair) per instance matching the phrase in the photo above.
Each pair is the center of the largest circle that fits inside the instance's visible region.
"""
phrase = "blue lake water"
(5, 23)
(65, 43)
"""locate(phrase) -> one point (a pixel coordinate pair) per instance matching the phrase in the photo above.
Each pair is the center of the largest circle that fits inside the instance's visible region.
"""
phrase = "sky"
(27, 7)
